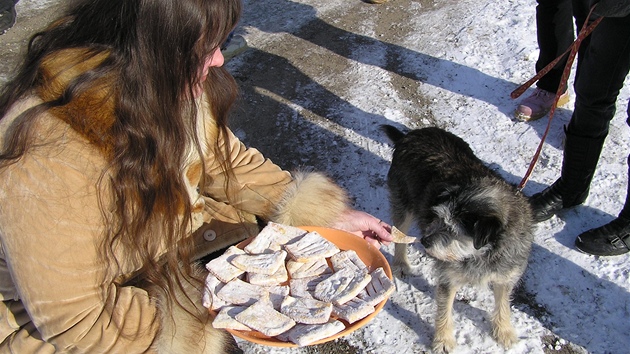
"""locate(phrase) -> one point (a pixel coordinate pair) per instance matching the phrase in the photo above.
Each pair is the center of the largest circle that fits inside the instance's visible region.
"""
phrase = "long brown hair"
(155, 49)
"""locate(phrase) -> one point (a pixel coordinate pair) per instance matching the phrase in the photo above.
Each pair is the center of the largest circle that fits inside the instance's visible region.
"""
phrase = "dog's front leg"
(401, 260)
(444, 339)
(502, 329)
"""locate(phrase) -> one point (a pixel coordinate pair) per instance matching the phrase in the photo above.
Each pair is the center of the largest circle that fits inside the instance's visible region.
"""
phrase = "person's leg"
(580, 158)
(554, 29)
(7, 4)
(7, 15)
(603, 65)
(613, 238)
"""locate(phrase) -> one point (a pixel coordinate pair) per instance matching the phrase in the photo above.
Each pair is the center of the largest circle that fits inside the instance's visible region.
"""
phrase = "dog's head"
(463, 222)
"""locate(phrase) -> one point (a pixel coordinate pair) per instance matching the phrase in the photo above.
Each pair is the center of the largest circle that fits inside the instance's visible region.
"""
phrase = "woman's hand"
(365, 226)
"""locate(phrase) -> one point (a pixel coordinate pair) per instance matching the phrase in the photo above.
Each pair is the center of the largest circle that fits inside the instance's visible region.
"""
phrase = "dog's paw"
(505, 336)
(443, 345)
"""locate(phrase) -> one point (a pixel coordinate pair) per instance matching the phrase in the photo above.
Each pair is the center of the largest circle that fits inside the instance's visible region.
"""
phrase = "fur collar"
(91, 113)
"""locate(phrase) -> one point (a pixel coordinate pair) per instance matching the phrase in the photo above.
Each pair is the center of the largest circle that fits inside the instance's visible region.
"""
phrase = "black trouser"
(554, 29)
(602, 64)
(7, 4)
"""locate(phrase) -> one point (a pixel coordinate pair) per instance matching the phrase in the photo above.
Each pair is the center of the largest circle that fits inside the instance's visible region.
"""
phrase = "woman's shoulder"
(53, 141)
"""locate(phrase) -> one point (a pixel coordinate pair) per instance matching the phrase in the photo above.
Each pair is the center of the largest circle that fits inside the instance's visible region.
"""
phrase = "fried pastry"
(310, 247)
(272, 237)
(342, 286)
(225, 319)
(266, 263)
(276, 278)
(305, 334)
(308, 269)
(353, 310)
(221, 267)
(238, 292)
(265, 319)
(210, 299)
(305, 310)
(304, 287)
(399, 237)
(378, 289)
(348, 259)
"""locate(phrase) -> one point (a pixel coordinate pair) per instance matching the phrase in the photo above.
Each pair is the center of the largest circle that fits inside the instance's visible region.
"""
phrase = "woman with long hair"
(118, 172)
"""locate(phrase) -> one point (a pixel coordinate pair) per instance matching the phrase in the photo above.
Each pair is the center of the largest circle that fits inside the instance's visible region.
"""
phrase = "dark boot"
(611, 239)
(578, 167)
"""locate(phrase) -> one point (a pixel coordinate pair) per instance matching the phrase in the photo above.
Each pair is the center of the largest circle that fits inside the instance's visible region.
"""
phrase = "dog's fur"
(478, 227)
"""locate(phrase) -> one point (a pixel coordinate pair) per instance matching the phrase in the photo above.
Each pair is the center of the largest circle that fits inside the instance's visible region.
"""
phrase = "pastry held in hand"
(399, 237)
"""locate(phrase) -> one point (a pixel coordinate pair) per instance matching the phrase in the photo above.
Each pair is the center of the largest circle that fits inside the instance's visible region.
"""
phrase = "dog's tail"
(394, 134)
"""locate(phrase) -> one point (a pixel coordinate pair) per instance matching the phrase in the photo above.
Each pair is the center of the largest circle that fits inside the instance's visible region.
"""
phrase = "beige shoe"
(376, 1)
(538, 104)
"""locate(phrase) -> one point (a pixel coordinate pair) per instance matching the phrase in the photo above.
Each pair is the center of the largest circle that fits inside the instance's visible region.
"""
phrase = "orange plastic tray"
(370, 255)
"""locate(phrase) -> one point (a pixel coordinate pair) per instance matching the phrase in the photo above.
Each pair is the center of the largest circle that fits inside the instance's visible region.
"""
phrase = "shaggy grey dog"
(478, 227)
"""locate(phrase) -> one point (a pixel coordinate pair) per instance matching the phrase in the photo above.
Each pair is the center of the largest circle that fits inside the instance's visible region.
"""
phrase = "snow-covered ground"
(451, 64)
(335, 70)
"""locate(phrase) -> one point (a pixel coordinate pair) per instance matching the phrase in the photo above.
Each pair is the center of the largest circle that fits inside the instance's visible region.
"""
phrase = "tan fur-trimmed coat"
(53, 297)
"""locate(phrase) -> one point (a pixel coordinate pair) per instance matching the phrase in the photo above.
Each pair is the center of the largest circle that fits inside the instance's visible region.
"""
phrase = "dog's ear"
(483, 229)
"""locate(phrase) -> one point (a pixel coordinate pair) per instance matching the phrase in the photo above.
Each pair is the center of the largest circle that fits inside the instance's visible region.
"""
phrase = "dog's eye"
(468, 222)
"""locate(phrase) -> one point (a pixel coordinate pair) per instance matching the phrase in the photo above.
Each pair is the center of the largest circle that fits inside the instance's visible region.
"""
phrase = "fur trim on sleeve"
(180, 332)
(312, 200)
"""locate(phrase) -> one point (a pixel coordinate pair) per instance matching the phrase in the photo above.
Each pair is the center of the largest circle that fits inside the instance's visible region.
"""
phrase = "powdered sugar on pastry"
(399, 237)
(308, 269)
(310, 247)
(265, 319)
(272, 237)
(210, 299)
(378, 289)
(305, 310)
(353, 310)
(348, 259)
(221, 267)
(342, 286)
(305, 334)
(266, 263)
(304, 287)
(276, 278)
(226, 318)
(239, 292)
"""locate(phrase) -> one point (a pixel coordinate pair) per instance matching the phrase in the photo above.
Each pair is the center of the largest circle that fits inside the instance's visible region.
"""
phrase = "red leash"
(586, 30)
